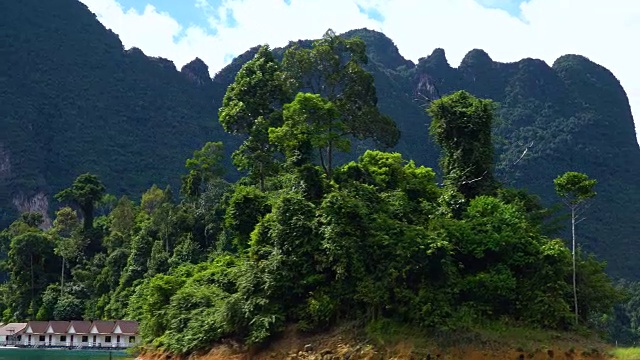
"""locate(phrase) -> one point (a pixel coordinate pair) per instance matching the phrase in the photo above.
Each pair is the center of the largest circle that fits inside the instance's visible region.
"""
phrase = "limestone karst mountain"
(73, 100)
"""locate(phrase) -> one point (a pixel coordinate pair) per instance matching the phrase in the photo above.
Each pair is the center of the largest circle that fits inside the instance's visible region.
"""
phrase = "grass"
(626, 353)
(488, 336)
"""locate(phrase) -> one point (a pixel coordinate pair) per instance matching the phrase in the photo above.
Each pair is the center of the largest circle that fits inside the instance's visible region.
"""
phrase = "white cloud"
(602, 31)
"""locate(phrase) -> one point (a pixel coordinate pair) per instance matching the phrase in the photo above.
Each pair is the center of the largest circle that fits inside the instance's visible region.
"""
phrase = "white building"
(78, 333)
(57, 333)
(35, 333)
(101, 334)
(126, 332)
(72, 334)
(11, 334)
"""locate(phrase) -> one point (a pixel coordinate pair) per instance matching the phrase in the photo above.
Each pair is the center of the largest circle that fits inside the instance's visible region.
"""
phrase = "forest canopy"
(301, 239)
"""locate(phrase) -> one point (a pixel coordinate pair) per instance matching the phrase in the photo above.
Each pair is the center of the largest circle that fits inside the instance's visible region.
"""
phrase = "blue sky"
(510, 6)
(187, 13)
(508, 30)
(184, 12)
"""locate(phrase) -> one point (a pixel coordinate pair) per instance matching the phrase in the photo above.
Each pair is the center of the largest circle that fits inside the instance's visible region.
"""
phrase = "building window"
(85, 339)
(63, 337)
(107, 339)
(19, 337)
(41, 338)
(132, 339)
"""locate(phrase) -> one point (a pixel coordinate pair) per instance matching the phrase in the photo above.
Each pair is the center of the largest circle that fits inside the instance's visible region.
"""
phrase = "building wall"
(54, 339)
(101, 340)
(11, 340)
(35, 339)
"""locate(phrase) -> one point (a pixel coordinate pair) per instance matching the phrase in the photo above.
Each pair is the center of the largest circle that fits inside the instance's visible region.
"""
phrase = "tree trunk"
(261, 177)
(62, 278)
(573, 252)
(324, 166)
(330, 159)
(166, 238)
(32, 285)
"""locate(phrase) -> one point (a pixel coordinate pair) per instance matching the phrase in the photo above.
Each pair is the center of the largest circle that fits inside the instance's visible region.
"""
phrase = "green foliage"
(333, 70)
(85, 99)
(377, 242)
(67, 308)
(461, 124)
(575, 187)
(371, 239)
(246, 207)
(251, 106)
(30, 261)
(85, 192)
(204, 166)
(622, 325)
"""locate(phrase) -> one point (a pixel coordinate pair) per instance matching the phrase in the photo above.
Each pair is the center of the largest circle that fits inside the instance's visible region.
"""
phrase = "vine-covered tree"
(461, 125)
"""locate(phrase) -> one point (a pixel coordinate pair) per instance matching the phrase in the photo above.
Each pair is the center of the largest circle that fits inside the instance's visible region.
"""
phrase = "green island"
(305, 231)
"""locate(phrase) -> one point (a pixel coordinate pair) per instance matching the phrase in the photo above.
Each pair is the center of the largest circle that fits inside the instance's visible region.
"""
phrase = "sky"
(607, 32)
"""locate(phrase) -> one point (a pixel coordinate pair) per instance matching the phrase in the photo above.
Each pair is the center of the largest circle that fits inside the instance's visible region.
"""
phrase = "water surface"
(56, 354)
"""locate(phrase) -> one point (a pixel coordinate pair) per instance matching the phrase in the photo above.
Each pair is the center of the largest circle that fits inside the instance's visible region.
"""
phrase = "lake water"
(54, 354)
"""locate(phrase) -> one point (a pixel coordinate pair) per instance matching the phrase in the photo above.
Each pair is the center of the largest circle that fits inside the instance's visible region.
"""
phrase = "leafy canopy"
(575, 187)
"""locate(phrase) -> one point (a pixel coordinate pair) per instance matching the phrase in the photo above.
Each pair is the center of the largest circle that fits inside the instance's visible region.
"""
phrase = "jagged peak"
(439, 54)
(476, 58)
(380, 48)
(197, 71)
(437, 59)
(135, 51)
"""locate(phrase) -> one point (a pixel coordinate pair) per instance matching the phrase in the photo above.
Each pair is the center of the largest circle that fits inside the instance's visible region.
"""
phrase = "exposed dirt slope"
(346, 344)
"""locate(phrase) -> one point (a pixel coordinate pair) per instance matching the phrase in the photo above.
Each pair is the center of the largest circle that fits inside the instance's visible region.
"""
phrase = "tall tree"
(461, 125)
(85, 192)
(204, 166)
(68, 242)
(575, 189)
(310, 122)
(250, 107)
(333, 69)
(152, 199)
(30, 260)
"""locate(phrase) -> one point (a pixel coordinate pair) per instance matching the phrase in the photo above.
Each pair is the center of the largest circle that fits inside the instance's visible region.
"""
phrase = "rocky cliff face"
(197, 71)
(5, 162)
(73, 100)
(37, 203)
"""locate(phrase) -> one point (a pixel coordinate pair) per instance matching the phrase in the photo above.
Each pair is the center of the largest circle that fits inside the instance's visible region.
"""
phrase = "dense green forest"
(74, 101)
(308, 240)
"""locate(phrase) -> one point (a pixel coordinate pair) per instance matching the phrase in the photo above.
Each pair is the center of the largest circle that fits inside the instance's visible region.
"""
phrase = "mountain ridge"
(81, 103)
